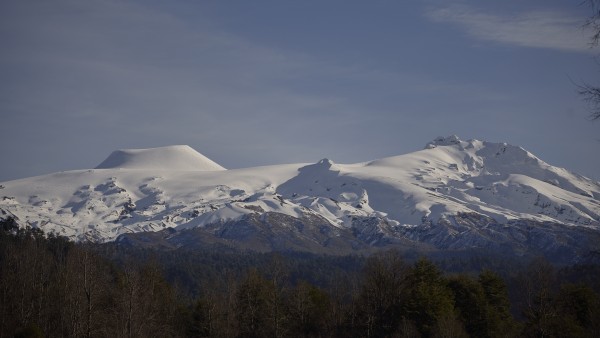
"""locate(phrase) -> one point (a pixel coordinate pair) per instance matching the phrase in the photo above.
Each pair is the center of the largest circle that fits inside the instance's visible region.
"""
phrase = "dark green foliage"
(29, 331)
(53, 288)
(8, 226)
(470, 301)
(579, 303)
(558, 309)
(427, 297)
(578, 309)
(483, 305)
(499, 321)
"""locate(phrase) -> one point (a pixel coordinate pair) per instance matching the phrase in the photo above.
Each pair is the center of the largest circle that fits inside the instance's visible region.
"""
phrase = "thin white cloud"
(538, 29)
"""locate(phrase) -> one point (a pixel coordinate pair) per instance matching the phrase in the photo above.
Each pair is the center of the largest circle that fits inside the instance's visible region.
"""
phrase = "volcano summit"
(452, 195)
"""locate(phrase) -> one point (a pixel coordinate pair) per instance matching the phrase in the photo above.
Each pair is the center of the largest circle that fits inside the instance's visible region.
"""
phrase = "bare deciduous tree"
(590, 93)
(593, 22)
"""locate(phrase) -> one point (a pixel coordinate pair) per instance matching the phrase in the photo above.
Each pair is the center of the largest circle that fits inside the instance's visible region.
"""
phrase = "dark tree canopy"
(50, 287)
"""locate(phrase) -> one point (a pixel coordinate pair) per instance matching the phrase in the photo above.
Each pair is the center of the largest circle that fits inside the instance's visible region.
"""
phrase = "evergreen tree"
(579, 312)
(470, 301)
(499, 320)
(427, 298)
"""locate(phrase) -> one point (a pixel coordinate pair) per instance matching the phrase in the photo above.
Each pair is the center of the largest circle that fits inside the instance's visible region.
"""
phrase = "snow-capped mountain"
(453, 194)
(180, 158)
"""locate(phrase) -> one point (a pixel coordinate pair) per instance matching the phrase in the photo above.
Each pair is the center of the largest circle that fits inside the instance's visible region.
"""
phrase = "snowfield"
(148, 190)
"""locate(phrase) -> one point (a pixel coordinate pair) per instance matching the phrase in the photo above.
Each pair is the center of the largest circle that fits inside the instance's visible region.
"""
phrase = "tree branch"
(591, 95)
(593, 22)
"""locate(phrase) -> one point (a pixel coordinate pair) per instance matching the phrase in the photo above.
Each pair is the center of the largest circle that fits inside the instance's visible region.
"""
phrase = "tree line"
(50, 287)
(55, 288)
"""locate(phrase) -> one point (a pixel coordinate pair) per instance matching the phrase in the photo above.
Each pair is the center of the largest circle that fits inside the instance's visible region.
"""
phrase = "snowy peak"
(473, 145)
(321, 166)
(492, 157)
(452, 194)
(480, 161)
(176, 158)
(443, 141)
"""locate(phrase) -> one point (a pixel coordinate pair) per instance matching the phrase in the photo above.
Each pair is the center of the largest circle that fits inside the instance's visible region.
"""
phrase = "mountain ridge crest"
(174, 157)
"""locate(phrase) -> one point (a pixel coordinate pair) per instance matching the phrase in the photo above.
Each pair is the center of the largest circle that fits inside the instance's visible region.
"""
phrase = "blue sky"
(251, 83)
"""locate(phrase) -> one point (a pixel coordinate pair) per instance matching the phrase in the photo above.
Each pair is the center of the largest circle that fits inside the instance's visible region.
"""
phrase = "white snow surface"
(176, 187)
(179, 157)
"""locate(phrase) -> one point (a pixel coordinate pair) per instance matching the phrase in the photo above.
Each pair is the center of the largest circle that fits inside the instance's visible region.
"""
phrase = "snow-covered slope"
(175, 158)
(453, 193)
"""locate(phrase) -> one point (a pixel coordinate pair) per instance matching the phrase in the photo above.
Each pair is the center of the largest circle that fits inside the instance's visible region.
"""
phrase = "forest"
(51, 287)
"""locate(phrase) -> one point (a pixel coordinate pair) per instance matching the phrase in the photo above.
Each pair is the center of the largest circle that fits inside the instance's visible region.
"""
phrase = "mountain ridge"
(451, 194)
